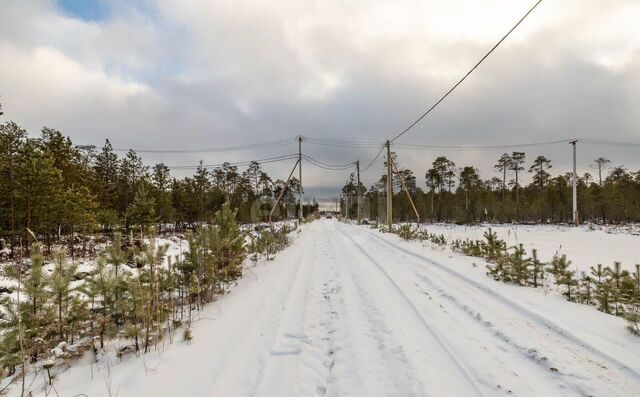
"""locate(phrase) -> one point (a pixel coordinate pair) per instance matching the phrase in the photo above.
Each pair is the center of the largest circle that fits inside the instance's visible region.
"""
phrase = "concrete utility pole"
(575, 185)
(389, 189)
(359, 193)
(300, 174)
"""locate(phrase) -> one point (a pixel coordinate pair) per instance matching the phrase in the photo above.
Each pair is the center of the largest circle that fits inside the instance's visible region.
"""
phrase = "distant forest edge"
(56, 189)
(460, 195)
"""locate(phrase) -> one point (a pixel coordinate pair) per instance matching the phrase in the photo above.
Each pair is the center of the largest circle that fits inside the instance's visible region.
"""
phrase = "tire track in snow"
(250, 343)
(514, 367)
(445, 350)
(503, 342)
(597, 370)
(500, 350)
(290, 344)
(328, 341)
(381, 363)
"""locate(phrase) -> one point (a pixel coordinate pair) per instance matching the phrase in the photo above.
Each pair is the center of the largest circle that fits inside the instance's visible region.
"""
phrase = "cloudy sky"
(161, 74)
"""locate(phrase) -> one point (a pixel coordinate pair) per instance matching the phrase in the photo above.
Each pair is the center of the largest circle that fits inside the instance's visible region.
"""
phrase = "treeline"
(453, 194)
(64, 192)
(138, 295)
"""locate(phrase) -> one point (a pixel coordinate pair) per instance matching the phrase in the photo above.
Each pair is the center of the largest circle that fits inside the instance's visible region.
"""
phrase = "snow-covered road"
(348, 311)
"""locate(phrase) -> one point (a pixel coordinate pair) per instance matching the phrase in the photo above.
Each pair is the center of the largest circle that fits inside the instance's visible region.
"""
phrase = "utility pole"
(347, 198)
(284, 189)
(389, 189)
(300, 174)
(575, 185)
(359, 193)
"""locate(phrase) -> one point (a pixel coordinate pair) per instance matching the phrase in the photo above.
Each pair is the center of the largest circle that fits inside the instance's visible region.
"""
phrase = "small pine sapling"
(598, 272)
(519, 265)
(567, 278)
(498, 269)
(406, 232)
(537, 268)
(558, 267)
(603, 295)
(61, 289)
(617, 276)
(585, 288)
(633, 320)
(633, 314)
(494, 248)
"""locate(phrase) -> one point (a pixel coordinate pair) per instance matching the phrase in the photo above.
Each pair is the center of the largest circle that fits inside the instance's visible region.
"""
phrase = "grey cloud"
(192, 75)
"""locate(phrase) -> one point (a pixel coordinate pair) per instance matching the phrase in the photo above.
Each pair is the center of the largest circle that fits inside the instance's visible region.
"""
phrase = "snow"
(348, 311)
(585, 246)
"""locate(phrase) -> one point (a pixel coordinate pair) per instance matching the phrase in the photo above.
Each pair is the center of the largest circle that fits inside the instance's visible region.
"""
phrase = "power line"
(328, 165)
(331, 167)
(338, 142)
(236, 164)
(484, 147)
(468, 73)
(609, 143)
(253, 146)
(372, 161)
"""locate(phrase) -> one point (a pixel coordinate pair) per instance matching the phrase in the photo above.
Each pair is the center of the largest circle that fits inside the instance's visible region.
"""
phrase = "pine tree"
(603, 295)
(633, 314)
(133, 173)
(567, 278)
(519, 265)
(116, 257)
(100, 289)
(142, 211)
(38, 188)
(617, 276)
(469, 181)
(494, 247)
(231, 251)
(37, 316)
(598, 272)
(537, 268)
(107, 174)
(539, 169)
(79, 211)
(558, 267)
(36, 282)
(10, 352)
(515, 164)
(161, 192)
(12, 138)
(601, 162)
(584, 285)
(61, 290)
(503, 165)
(154, 311)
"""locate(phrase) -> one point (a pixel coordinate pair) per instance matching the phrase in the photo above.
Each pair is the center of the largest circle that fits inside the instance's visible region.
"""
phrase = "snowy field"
(349, 311)
(585, 246)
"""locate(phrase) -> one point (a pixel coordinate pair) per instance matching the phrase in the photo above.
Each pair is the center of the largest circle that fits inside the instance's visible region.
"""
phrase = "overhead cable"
(467, 74)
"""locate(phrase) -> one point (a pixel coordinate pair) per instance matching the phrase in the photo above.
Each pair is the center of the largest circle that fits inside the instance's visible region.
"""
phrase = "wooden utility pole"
(284, 189)
(389, 189)
(11, 199)
(347, 197)
(359, 193)
(300, 174)
(575, 185)
(415, 210)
